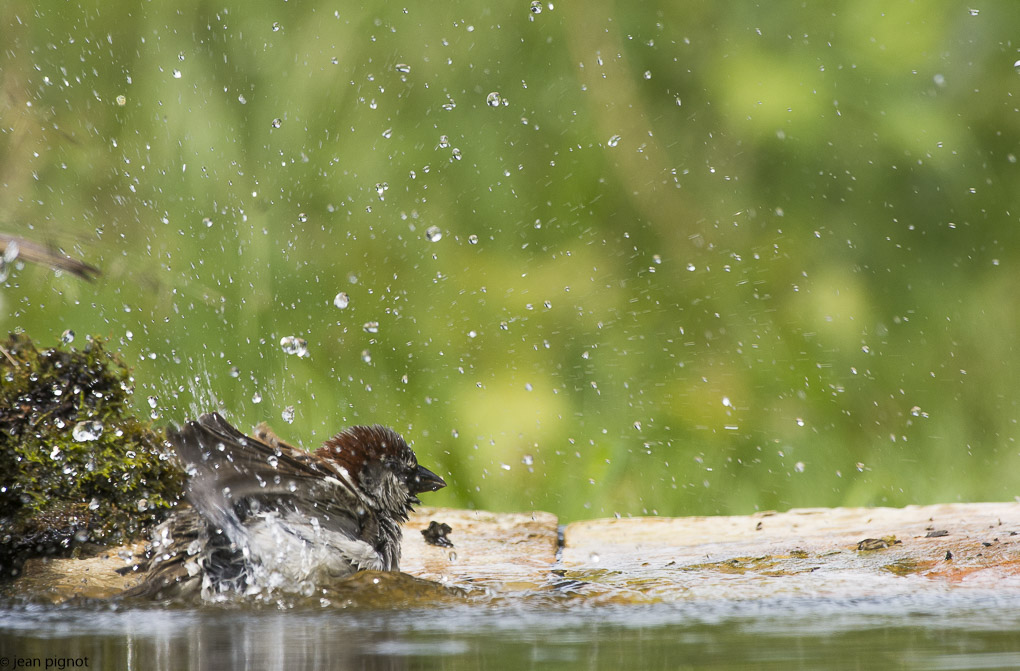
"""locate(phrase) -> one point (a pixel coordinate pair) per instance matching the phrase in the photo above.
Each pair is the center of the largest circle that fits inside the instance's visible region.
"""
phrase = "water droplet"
(402, 67)
(800, 421)
(121, 100)
(176, 73)
(302, 217)
(272, 459)
(207, 221)
(366, 356)
(494, 99)
(472, 334)
(656, 259)
(143, 505)
(153, 401)
(799, 467)
(235, 371)
(527, 460)
(503, 326)
(277, 27)
(87, 430)
(371, 327)
(256, 398)
(294, 345)
(277, 123)
(974, 12)
(433, 234)
(341, 300)
(536, 6)
(637, 425)
(288, 414)
(614, 140)
(648, 74)
(473, 239)
(67, 337)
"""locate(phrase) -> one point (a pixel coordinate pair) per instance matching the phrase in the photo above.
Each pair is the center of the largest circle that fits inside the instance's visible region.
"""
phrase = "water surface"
(931, 631)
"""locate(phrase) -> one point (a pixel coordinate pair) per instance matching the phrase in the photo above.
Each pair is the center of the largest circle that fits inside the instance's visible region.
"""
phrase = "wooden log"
(839, 552)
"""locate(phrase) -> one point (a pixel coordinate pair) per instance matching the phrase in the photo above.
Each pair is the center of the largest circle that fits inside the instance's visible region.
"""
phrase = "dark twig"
(36, 253)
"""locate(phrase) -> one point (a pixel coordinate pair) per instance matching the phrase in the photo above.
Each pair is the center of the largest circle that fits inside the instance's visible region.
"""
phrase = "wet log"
(838, 552)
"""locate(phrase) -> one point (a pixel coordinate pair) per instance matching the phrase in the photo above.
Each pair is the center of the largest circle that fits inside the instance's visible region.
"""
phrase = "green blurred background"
(692, 257)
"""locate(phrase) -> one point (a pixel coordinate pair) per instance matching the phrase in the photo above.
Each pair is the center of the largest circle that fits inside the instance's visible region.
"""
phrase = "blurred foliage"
(695, 258)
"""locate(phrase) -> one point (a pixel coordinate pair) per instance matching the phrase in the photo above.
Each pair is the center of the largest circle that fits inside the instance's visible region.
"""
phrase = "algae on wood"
(803, 553)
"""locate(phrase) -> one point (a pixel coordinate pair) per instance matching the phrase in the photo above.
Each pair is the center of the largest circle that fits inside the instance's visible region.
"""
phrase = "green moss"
(59, 493)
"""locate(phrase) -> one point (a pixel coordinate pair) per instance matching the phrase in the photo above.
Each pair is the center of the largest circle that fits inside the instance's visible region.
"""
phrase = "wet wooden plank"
(58, 580)
(800, 553)
(507, 551)
(503, 551)
(805, 552)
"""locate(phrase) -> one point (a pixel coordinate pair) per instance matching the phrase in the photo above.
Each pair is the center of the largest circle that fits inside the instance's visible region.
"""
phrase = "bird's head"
(378, 461)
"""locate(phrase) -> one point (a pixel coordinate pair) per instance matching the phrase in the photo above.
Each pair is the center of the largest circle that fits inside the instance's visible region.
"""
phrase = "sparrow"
(265, 515)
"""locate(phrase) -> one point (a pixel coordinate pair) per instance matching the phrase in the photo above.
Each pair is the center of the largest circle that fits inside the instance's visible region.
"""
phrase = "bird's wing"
(230, 472)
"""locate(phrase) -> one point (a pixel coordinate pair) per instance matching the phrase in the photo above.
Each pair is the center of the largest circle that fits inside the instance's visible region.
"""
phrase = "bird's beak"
(425, 480)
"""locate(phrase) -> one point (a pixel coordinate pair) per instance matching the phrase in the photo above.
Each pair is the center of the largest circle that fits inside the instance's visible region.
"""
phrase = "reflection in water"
(216, 640)
(902, 632)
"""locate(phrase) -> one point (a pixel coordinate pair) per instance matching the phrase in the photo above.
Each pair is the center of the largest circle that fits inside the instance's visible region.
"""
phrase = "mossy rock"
(77, 468)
